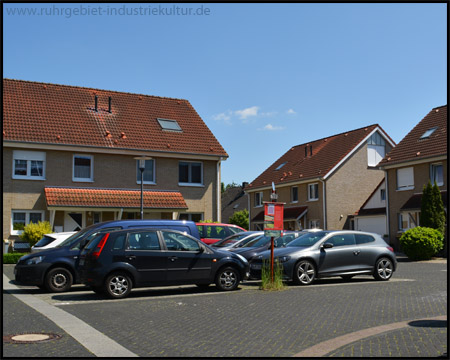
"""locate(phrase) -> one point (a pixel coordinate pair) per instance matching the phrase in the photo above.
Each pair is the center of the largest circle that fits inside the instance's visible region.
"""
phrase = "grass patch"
(266, 281)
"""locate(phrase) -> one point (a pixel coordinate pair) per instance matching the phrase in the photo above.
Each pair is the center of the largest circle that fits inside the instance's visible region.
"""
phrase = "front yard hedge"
(12, 258)
(421, 243)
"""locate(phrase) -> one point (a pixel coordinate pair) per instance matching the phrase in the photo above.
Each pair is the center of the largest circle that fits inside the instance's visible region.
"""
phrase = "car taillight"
(97, 251)
(390, 248)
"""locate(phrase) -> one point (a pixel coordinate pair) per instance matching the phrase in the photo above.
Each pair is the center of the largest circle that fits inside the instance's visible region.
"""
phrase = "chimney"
(244, 184)
(109, 104)
(96, 101)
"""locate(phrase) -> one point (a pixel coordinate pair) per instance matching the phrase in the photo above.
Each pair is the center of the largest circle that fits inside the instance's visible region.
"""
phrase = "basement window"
(167, 124)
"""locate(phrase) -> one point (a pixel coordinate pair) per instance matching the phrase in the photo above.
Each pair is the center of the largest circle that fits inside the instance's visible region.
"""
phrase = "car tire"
(304, 273)
(383, 269)
(58, 280)
(347, 277)
(117, 285)
(227, 279)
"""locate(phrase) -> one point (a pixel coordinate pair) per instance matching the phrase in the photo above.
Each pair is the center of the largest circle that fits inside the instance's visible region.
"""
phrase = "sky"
(263, 77)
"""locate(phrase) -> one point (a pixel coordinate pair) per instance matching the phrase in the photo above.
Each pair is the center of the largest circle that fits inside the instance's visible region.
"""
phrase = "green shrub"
(421, 243)
(266, 278)
(240, 218)
(34, 232)
(12, 258)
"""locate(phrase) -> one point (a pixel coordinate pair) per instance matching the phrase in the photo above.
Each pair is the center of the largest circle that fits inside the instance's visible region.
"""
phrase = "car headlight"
(284, 259)
(244, 260)
(34, 260)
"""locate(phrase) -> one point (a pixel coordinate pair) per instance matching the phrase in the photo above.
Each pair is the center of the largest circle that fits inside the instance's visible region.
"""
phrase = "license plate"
(256, 266)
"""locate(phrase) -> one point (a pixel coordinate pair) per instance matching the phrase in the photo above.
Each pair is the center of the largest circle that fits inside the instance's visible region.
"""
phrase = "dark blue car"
(55, 270)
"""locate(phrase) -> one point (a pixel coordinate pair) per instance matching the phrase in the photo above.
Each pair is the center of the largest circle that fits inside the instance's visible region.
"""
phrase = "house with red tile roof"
(69, 157)
(419, 157)
(322, 182)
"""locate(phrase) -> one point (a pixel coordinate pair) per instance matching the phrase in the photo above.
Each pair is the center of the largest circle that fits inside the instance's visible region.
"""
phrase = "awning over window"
(415, 201)
(293, 213)
(113, 198)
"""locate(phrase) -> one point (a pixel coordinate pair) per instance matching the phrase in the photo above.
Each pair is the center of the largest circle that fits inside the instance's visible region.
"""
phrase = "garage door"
(375, 224)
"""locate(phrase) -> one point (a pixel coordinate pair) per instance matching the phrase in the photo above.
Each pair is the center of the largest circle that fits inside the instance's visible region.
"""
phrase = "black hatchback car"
(115, 262)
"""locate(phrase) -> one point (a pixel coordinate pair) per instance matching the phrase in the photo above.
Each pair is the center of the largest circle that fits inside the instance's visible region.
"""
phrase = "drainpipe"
(388, 225)
(324, 204)
(248, 207)
(219, 195)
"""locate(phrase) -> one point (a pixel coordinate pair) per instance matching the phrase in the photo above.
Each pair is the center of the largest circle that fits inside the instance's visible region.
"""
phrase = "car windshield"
(74, 238)
(230, 240)
(259, 241)
(308, 239)
(245, 241)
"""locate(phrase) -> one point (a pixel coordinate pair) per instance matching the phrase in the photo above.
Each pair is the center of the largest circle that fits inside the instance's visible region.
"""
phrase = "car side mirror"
(327, 246)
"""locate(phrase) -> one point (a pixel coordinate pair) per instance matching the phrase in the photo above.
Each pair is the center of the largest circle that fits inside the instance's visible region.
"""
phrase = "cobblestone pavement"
(187, 322)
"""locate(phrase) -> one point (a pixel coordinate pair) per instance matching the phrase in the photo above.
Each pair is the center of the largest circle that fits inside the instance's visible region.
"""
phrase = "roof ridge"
(97, 188)
(97, 89)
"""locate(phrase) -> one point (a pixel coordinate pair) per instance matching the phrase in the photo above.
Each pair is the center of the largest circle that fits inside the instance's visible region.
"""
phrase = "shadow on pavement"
(429, 323)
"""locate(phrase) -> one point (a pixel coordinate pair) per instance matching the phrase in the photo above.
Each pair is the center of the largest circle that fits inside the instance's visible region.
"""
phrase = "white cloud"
(225, 117)
(291, 111)
(268, 114)
(270, 127)
(245, 113)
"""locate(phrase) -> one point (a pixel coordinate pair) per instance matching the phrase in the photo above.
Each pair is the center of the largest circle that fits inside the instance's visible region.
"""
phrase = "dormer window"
(280, 166)
(428, 133)
(167, 124)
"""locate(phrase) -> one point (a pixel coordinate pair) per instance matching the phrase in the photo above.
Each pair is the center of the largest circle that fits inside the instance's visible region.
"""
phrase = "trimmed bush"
(34, 232)
(12, 258)
(240, 218)
(421, 243)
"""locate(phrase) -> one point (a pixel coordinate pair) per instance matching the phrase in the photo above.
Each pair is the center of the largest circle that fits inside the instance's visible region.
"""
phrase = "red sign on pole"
(273, 219)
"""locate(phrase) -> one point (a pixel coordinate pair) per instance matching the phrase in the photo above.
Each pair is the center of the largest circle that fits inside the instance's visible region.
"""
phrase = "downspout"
(219, 195)
(248, 207)
(388, 225)
(324, 203)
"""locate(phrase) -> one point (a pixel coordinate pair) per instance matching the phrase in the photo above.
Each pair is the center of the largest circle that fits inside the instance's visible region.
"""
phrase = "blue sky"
(263, 77)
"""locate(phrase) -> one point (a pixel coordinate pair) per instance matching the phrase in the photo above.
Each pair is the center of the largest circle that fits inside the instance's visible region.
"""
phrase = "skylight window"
(427, 133)
(280, 166)
(169, 125)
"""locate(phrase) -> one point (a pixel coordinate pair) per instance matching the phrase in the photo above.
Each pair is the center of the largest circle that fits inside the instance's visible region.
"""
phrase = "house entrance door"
(73, 221)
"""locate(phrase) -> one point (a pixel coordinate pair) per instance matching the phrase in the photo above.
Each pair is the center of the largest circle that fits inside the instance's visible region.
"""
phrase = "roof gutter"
(324, 203)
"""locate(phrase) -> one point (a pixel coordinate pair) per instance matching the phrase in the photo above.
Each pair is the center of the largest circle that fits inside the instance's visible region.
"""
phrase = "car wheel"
(346, 277)
(227, 279)
(117, 285)
(304, 273)
(58, 280)
(383, 269)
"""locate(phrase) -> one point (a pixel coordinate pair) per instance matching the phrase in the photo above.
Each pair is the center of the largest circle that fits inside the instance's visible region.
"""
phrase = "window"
(437, 174)
(408, 220)
(313, 192)
(294, 194)
(20, 218)
(405, 178)
(258, 199)
(149, 172)
(191, 216)
(83, 168)
(382, 194)
(314, 224)
(190, 173)
(428, 133)
(376, 146)
(28, 165)
(96, 217)
(145, 240)
(167, 124)
(280, 166)
(179, 242)
(341, 240)
(363, 239)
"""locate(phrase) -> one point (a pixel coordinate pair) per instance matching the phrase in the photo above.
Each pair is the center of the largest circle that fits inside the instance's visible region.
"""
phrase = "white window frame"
(258, 201)
(405, 179)
(293, 201)
(189, 183)
(410, 221)
(382, 194)
(27, 218)
(28, 156)
(77, 179)
(309, 192)
(433, 174)
(138, 173)
(314, 224)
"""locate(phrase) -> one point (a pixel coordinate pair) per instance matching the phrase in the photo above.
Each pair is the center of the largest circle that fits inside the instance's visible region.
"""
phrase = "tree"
(34, 232)
(432, 212)
(240, 218)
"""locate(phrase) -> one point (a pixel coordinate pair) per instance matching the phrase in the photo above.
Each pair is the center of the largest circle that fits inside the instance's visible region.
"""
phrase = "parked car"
(113, 263)
(262, 243)
(342, 253)
(52, 240)
(213, 232)
(55, 269)
(236, 240)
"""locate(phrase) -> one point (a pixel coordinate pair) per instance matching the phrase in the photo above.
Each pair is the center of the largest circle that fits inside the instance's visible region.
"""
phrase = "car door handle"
(173, 258)
(131, 257)
(356, 252)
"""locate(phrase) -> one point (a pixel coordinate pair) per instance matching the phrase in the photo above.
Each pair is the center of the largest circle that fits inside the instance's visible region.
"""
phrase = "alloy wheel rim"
(59, 280)
(305, 273)
(228, 279)
(118, 285)
(385, 269)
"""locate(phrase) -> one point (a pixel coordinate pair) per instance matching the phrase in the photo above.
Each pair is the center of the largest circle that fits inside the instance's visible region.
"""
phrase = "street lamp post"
(142, 160)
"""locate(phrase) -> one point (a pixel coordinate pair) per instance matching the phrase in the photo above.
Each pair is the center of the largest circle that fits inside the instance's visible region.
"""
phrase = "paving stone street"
(404, 317)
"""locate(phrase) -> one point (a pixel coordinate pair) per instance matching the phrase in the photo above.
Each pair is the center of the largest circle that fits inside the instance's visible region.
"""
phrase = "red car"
(213, 232)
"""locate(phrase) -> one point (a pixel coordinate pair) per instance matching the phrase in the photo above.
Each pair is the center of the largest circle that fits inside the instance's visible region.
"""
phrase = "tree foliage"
(34, 232)
(421, 243)
(432, 213)
(240, 218)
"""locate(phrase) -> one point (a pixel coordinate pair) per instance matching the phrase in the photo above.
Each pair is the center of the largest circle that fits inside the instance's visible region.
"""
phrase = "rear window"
(235, 230)
(363, 239)
(214, 232)
(44, 241)
(95, 239)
